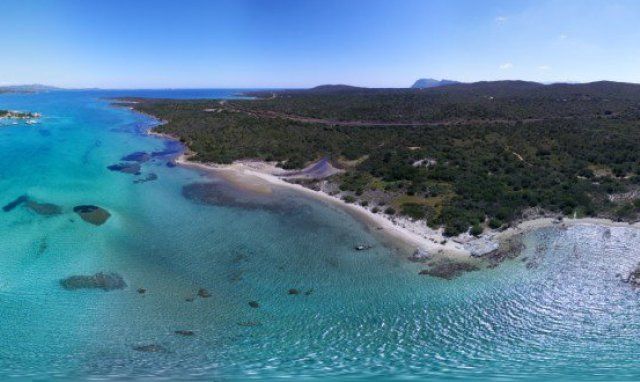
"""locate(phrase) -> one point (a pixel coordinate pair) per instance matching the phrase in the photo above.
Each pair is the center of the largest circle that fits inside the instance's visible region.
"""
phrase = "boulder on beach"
(105, 281)
(92, 214)
(126, 167)
(46, 209)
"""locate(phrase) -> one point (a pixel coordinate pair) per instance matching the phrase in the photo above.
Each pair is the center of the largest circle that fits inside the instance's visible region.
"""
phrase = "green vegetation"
(485, 153)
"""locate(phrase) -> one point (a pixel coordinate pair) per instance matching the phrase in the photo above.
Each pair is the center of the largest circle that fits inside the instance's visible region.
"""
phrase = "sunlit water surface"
(359, 315)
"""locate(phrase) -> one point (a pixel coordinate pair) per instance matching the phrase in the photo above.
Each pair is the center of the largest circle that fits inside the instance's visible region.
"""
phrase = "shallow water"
(359, 315)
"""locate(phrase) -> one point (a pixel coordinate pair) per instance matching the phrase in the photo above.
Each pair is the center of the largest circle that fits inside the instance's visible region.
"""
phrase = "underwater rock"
(254, 304)
(189, 299)
(508, 249)
(150, 177)
(171, 164)
(362, 247)
(92, 214)
(105, 281)
(294, 291)
(151, 348)
(308, 292)
(141, 291)
(449, 269)
(203, 293)
(15, 203)
(127, 168)
(249, 323)
(138, 156)
(185, 333)
(46, 209)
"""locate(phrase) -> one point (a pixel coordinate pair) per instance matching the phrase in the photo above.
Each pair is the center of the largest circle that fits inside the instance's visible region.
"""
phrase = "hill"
(425, 83)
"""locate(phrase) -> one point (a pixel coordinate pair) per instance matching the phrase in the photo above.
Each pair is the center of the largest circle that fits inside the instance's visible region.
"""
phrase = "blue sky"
(273, 43)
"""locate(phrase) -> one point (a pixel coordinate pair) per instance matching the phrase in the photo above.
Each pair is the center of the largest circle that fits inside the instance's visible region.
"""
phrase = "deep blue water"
(365, 315)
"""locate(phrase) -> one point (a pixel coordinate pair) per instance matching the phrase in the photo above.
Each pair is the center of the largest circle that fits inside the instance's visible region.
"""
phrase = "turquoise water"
(365, 315)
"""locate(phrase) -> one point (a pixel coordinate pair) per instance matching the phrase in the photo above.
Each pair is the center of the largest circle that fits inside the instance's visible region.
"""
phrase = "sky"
(282, 43)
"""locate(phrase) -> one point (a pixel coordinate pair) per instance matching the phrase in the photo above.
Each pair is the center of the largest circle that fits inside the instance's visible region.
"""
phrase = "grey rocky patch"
(634, 277)
(507, 249)
(420, 256)
(481, 247)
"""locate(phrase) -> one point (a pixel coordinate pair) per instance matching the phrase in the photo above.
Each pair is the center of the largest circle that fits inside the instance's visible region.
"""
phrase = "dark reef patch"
(138, 156)
(219, 193)
(46, 209)
(449, 270)
(171, 148)
(15, 203)
(92, 214)
(149, 178)
(185, 333)
(126, 168)
(105, 281)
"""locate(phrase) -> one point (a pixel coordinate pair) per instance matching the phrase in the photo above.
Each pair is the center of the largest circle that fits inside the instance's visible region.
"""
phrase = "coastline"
(413, 236)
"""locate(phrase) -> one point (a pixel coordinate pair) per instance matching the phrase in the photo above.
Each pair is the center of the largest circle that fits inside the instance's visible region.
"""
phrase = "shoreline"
(414, 236)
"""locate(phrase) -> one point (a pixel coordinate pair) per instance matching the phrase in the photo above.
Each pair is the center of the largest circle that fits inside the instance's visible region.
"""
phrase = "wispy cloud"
(544, 68)
(506, 66)
(501, 19)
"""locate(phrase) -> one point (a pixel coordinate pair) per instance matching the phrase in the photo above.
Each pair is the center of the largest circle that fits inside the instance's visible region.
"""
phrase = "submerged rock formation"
(15, 203)
(150, 348)
(92, 214)
(105, 281)
(449, 270)
(46, 209)
(126, 167)
(138, 156)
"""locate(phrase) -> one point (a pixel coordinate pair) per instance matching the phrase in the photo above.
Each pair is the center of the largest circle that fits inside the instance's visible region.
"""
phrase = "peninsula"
(459, 160)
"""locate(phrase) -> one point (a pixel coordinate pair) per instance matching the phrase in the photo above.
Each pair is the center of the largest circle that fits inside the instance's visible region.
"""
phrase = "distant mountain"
(425, 83)
(33, 88)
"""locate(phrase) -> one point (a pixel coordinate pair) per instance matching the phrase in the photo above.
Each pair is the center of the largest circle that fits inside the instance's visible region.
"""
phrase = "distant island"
(465, 157)
(33, 88)
(426, 83)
